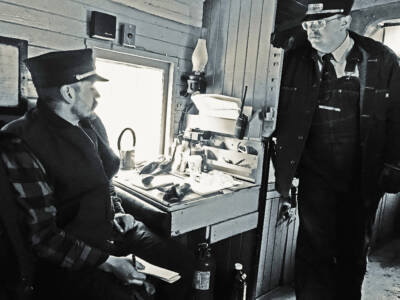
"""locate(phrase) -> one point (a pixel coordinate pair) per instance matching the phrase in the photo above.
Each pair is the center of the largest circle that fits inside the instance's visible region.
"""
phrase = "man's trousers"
(331, 250)
(92, 283)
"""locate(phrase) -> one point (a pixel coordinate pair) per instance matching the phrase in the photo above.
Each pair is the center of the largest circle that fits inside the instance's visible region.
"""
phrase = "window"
(388, 33)
(136, 96)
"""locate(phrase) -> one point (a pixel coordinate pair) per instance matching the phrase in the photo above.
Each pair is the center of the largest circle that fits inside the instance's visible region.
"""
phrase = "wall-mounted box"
(102, 26)
(127, 34)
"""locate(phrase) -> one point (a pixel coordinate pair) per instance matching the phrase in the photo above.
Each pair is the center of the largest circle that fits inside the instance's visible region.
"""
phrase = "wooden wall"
(238, 42)
(188, 12)
(239, 46)
(277, 253)
(63, 25)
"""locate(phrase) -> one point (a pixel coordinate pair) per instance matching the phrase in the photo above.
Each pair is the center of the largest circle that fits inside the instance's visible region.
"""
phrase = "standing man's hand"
(124, 222)
(123, 269)
(288, 205)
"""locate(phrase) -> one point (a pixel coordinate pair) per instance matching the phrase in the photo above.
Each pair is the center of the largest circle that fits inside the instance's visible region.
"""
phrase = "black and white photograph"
(200, 149)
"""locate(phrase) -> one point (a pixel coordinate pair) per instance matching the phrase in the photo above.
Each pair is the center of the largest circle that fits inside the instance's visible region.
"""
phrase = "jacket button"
(292, 162)
(300, 137)
(280, 147)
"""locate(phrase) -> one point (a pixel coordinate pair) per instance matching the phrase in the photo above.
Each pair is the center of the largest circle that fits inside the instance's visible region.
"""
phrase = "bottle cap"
(238, 266)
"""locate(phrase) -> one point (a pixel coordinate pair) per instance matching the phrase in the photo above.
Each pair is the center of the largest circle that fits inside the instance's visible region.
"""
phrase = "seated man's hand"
(124, 269)
(123, 222)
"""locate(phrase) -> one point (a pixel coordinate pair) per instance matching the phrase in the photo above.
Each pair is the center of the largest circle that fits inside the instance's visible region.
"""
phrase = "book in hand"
(156, 271)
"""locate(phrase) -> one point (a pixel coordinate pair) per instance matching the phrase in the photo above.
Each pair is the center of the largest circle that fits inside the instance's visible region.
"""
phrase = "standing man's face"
(325, 35)
(85, 99)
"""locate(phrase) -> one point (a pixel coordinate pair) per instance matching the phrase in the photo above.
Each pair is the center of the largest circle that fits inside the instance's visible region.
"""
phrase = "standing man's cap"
(319, 9)
(63, 67)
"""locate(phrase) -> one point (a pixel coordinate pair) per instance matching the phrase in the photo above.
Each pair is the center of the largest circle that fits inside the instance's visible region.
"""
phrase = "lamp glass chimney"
(200, 56)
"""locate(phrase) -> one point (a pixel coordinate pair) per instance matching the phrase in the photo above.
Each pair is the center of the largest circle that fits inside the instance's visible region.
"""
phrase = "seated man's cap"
(63, 67)
(319, 9)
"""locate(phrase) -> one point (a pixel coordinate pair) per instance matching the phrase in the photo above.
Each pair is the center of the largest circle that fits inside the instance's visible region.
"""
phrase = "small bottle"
(177, 159)
(240, 284)
(204, 276)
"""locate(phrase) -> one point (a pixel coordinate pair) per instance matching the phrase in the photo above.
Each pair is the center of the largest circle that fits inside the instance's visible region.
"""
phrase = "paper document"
(215, 105)
(159, 272)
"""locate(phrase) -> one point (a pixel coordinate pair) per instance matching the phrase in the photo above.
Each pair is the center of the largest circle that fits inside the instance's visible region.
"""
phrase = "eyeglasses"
(318, 24)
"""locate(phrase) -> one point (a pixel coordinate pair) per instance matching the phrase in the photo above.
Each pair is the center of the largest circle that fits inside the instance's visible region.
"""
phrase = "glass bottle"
(240, 284)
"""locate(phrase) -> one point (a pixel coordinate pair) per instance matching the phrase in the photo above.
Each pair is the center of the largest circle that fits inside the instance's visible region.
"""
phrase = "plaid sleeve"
(34, 194)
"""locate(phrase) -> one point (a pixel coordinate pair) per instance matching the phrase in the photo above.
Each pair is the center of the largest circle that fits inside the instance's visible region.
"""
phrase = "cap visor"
(95, 77)
(314, 17)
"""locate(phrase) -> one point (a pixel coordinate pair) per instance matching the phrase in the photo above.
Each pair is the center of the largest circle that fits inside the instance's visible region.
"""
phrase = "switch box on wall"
(127, 34)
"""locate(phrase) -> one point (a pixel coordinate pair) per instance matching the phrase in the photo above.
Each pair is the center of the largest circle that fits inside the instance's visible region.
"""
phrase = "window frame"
(22, 46)
(151, 60)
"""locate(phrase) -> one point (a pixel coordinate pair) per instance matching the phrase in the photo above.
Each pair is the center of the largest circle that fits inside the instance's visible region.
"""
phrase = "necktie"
(328, 74)
(328, 70)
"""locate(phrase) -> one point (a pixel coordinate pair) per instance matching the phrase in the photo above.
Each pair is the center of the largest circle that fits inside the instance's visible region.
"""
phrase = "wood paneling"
(253, 49)
(188, 12)
(231, 48)
(239, 47)
(63, 25)
(233, 227)
(276, 266)
(290, 249)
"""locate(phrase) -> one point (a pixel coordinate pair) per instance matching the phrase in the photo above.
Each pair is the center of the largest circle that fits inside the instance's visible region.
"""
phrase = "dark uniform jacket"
(379, 114)
(79, 166)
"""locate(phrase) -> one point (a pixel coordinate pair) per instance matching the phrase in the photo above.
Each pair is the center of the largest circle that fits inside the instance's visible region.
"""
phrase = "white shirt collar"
(341, 52)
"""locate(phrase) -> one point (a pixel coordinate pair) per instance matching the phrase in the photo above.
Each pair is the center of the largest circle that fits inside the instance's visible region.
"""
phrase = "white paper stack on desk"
(212, 182)
(159, 272)
(217, 113)
(215, 105)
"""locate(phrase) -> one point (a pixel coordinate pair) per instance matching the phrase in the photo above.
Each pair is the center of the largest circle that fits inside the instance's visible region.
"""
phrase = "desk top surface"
(153, 193)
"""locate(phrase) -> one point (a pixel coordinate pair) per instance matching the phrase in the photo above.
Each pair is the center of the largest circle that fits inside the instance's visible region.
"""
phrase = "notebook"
(156, 271)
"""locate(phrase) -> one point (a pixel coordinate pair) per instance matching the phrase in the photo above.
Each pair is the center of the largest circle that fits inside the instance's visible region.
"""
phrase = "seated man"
(79, 231)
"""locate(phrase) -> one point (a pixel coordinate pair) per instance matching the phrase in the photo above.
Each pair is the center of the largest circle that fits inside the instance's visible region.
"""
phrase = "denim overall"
(328, 254)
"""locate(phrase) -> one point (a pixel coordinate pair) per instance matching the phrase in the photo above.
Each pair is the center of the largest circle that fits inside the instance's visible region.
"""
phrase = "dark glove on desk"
(149, 168)
(389, 181)
(156, 168)
(176, 192)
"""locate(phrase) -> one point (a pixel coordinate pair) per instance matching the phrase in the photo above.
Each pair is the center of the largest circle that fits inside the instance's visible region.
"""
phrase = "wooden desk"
(223, 214)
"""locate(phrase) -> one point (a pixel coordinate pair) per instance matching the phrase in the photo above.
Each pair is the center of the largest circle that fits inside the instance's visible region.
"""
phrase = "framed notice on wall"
(13, 74)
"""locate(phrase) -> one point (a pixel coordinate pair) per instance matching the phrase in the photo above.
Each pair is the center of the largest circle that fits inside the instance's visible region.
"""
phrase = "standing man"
(338, 131)
(77, 228)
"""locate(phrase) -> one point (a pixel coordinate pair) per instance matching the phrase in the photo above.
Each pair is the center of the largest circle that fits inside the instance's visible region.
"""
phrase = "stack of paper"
(159, 272)
(212, 182)
(215, 105)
